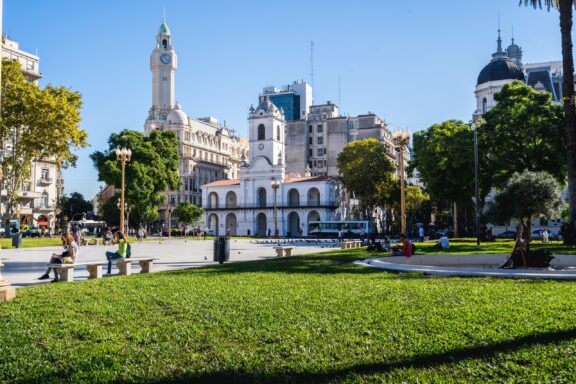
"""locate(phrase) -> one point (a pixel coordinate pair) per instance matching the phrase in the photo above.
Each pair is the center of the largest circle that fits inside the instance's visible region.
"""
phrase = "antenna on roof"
(312, 64)
(339, 94)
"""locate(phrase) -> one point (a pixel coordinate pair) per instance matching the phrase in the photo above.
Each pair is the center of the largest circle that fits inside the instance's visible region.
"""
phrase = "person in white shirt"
(421, 233)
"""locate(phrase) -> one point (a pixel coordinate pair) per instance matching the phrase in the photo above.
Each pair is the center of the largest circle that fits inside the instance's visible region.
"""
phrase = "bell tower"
(266, 125)
(163, 64)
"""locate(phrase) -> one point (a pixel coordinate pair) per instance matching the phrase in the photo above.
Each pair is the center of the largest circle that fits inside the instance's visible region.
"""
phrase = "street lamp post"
(402, 139)
(123, 156)
(476, 202)
(275, 186)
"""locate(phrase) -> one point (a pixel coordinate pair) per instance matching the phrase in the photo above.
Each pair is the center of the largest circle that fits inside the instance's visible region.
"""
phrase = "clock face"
(165, 58)
(261, 146)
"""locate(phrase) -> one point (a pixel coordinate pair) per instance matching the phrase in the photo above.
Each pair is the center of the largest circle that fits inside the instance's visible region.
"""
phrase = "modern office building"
(208, 150)
(294, 100)
(39, 195)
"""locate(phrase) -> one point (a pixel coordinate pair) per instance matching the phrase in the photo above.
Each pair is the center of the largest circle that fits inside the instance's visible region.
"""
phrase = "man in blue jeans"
(122, 250)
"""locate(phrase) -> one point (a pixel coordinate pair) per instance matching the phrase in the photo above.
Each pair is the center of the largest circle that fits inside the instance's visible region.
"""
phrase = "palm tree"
(565, 9)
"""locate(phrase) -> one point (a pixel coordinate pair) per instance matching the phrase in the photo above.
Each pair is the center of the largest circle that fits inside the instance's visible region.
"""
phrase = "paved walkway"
(23, 266)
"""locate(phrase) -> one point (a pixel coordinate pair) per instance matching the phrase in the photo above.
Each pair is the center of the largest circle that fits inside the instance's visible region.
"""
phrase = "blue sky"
(413, 63)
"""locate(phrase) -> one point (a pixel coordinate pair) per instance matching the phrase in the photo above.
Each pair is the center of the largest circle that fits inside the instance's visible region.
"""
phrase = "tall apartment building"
(39, 195)
(208, 150)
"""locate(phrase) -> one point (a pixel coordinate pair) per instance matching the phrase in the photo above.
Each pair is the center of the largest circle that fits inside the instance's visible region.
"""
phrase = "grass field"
(314, 318)
(35, 242)
(468, 246)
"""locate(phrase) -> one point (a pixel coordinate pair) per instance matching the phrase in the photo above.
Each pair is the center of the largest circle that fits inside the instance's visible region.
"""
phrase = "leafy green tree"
(365, 167)
(188, 213)
(566, 15)
(525, 196)
(75, 204)
(152, 169)
(444, 157)
(36, 123)
(522, 132)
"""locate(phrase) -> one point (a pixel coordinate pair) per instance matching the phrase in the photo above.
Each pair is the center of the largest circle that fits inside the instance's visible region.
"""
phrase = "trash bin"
(17, 239)
(221, 249)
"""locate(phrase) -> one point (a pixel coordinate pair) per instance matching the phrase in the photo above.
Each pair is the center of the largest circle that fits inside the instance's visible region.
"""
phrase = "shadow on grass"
(420, 361)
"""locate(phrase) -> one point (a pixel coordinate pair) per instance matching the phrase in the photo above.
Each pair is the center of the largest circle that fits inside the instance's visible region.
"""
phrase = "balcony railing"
(270, 205)
(45, 181)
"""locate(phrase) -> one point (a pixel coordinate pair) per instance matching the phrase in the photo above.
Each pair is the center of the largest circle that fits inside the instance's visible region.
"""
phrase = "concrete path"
(23, 266)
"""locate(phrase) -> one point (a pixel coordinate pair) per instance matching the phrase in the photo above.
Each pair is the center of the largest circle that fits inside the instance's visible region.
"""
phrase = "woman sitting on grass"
(69, 256)
(122, 242)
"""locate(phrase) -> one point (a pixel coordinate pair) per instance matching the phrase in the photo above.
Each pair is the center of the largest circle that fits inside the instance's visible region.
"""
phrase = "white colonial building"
(208, 151)
(37, 200)
(245, 205)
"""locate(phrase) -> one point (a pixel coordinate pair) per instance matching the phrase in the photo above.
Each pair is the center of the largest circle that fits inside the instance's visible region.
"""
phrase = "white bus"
(332, 228)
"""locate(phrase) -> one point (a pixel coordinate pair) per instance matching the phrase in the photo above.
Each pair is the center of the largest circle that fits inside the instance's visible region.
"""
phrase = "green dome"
(164, 28)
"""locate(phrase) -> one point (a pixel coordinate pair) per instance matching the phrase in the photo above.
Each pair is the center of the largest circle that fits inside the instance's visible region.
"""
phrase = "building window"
(173, 199)
(310, 153)
(324, 150)
(44, 201)
(186, 185)
(310, 129)
(320, 140)
(45, 174)
(484, 105)
(319, 128)
(320, 151)
(278, 133)
(261, 132)
(310, 140)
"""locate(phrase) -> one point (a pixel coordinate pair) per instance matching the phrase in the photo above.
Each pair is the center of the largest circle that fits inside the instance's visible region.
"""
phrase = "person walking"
(545, 235)
(140, 234)
(121, 253)
(421, 234)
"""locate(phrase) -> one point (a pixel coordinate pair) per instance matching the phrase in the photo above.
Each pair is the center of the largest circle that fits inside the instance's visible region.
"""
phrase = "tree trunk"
(569, 109)
(529, 228)
(455, 220)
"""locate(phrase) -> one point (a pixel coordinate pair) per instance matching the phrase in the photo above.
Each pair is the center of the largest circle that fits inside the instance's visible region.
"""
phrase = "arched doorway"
(261, 225)
(262, 197)
(293, 225)
(231, 200)
(312, 216)
(293, 198)
(231, 224)
(213, 200)
(313, 197)
(213, 223)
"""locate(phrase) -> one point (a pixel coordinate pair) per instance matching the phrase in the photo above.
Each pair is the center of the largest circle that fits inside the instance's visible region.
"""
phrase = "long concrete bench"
(66, 271)
(350, 244)
(91, 241)
(283, 251)
(125, 265)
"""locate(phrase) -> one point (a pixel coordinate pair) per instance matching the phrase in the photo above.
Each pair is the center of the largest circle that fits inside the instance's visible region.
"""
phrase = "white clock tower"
(163, 63)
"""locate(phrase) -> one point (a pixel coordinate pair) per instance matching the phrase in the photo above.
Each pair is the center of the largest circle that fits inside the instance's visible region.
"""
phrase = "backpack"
(128, 250)
(413, 248)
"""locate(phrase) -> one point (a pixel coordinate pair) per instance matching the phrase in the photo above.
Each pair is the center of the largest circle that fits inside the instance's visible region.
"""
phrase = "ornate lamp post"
(123, 156)
(275, 185)
(402, 139)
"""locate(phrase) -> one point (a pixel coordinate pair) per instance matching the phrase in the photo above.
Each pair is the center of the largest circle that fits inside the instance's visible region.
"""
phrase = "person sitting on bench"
(122, 242)
(69, 256)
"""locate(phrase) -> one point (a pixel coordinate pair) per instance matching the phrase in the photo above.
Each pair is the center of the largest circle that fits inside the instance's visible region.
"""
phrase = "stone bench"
(350, 244)
(283, 251)
(125, 265)
(66, 271)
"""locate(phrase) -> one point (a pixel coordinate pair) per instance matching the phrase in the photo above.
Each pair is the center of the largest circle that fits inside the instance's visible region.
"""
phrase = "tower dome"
(177, 116)
(514, 53)
(501, 67)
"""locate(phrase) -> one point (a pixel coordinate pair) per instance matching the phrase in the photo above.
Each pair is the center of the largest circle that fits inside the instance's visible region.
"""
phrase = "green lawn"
(468, 246)
(314, 318)
(35, 242)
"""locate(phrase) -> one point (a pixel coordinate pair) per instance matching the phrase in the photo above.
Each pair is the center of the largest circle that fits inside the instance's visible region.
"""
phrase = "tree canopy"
(444, 157)
(188, 213)
(37, 123)
(365, 167)
(75, 204)
(152, 170)
(524, 131)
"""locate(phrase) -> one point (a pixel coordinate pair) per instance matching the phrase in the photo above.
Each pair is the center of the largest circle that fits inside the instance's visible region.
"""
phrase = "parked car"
(506, 235)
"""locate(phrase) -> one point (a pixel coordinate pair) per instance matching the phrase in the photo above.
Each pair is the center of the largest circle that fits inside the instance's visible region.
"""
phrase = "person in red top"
(406, 249)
